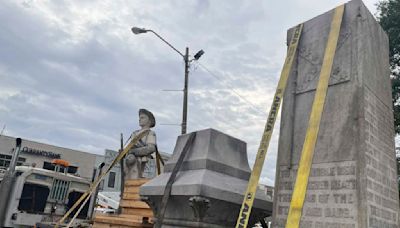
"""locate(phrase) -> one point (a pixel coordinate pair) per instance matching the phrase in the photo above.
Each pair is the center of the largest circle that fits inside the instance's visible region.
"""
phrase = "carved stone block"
(209, 188)
(353, 179)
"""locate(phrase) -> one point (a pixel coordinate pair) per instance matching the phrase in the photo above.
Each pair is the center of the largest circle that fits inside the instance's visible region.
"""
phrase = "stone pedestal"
(209, 188)
(135, 213)
(353, 181)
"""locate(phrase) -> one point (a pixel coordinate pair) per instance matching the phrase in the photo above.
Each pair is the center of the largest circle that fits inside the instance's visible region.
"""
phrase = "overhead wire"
(249, 103)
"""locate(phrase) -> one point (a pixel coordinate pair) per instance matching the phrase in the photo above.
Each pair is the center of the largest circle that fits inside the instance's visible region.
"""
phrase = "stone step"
(123, 220)
(137, 182)
(105, 225)
(134, 204)
(131, 189)
(109, 225)
(131, 196)
(137, 211)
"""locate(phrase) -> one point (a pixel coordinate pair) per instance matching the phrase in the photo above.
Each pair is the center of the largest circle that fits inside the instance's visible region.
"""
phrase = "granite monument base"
(209, 187)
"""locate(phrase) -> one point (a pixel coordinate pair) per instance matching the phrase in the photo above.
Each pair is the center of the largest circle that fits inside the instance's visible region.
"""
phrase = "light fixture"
(198, 55)
(137, 30)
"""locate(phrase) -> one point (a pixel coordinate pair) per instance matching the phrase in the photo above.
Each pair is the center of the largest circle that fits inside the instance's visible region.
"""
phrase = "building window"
(101, 185)
(6, 159)
(21, 161)
(111, 180)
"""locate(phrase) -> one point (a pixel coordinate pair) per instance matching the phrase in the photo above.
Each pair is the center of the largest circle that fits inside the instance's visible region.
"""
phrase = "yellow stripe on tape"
(248, 200)
(92, 187)
(300, 187)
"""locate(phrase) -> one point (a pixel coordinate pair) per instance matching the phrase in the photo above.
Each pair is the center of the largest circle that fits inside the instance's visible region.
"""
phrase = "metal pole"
(122, 184)
(7, 183)
(91, 210)
(167, 43)
(185, 92)
(14, 159)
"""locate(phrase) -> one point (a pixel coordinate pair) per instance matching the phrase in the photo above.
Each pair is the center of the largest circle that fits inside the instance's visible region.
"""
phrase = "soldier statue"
(136, 159)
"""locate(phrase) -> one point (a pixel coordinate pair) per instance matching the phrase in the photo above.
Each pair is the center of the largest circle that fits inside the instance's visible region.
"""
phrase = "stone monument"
(209, 187)
(137, 158)
(353, 179)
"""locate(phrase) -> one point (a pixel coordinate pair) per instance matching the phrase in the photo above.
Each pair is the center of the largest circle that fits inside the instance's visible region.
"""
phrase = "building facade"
(38, 154)
(112, 181)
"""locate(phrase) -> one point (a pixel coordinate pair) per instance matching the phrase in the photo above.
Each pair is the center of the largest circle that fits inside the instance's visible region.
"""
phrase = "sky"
(72, 73)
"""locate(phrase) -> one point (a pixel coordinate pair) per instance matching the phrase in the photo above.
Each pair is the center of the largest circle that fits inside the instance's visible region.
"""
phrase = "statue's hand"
(136, 152)
(130, 159)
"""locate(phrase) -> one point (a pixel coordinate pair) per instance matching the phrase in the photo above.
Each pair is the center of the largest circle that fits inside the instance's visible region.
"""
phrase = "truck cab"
(44, 195)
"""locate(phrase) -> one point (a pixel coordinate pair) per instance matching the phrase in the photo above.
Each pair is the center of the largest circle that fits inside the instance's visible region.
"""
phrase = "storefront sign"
(44, 153)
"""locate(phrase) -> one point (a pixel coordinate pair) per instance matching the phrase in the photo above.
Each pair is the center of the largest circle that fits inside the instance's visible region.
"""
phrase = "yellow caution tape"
(93, 186)
(248, 200)
(300, 187)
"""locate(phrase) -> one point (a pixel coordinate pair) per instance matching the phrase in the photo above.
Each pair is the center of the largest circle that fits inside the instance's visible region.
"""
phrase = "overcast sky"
(73, 75)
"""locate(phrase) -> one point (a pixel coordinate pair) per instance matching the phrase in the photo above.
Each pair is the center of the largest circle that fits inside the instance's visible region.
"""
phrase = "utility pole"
(185, 93)
(185, 56)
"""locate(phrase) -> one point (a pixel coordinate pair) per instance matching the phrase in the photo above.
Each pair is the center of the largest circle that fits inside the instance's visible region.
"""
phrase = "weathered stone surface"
(209, 188)
(353, 177)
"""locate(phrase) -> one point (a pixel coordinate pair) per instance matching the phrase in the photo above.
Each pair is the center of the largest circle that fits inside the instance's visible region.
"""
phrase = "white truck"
(40, 197)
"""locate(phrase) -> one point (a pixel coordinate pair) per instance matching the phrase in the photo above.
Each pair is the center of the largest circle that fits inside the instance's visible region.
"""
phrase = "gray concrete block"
(215, 173)
(353, 181)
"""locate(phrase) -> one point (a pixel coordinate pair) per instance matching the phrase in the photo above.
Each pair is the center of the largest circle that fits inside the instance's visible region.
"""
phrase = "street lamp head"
(198, 55)
(137, 30)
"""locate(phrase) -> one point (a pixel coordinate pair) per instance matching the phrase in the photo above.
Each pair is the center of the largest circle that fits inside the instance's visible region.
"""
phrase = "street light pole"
(185, 56)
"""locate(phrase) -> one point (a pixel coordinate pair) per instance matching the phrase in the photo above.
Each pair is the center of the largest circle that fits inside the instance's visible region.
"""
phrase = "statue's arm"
(149, 148)
(145, 150)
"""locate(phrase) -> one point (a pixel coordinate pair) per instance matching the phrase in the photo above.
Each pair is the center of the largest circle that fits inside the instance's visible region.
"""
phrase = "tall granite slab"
(209, 188)
(353, 180)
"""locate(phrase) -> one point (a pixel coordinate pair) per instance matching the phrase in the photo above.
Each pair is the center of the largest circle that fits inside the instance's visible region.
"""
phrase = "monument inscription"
(331, 194)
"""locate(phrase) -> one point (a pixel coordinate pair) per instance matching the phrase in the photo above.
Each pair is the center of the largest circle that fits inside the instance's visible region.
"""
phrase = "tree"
(388, 14)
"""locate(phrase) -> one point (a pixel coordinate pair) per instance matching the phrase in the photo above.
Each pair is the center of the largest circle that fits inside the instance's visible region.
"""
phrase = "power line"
(253, 106)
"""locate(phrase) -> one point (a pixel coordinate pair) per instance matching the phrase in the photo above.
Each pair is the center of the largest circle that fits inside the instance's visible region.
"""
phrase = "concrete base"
(209, 188)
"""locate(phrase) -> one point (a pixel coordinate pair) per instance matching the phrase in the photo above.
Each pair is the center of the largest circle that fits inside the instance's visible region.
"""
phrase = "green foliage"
(389, 18)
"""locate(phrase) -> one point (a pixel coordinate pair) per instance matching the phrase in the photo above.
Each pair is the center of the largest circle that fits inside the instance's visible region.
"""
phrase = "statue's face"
(144, 120)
